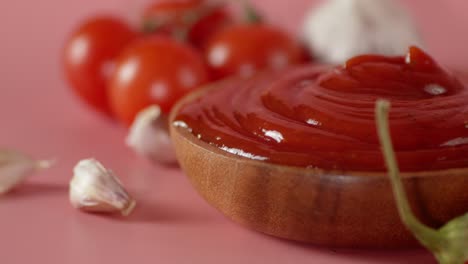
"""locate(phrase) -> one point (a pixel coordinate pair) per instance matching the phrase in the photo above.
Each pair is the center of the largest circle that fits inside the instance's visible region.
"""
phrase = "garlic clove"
(94, 188)
(15, 167)
(341, 29)
(149, 136)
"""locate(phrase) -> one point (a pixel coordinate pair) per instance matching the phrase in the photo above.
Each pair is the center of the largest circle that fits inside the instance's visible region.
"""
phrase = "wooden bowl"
(340, 209)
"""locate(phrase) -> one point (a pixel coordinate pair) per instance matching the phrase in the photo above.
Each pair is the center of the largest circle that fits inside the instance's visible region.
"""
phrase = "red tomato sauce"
(323, 117)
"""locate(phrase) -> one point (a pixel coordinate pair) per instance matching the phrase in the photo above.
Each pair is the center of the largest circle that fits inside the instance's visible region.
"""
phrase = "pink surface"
(171, 223)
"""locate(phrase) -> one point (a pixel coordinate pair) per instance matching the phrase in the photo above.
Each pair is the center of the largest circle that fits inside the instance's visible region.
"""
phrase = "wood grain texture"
(344, 209)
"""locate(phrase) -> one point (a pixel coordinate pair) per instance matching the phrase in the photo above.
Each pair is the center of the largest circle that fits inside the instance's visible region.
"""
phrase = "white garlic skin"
(149, 136)
(94, 188)
(341, 29)
(15, 167)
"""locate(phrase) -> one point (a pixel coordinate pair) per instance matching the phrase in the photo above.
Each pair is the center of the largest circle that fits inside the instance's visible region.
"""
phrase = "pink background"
(171, 223)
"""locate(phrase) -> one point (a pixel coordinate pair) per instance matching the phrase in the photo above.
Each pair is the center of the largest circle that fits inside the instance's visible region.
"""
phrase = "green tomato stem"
(251, 14)
(149, 27)
(427, 236)
(189, 20)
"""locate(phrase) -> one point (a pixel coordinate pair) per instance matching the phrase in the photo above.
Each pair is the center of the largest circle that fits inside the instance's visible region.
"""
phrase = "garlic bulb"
(96, 189)
(15, 167)
(149, 136)
(341, 29)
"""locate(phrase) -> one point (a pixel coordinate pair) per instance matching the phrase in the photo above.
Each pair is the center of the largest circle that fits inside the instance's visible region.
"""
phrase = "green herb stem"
(427, 236)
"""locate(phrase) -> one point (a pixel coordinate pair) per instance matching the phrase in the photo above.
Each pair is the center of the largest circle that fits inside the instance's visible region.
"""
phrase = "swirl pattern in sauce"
(323, 117)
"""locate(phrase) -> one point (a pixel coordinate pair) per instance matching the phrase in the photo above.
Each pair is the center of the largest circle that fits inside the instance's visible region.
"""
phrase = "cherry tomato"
(89, 56)
(199, 18)
(245, 49)
(155, 70)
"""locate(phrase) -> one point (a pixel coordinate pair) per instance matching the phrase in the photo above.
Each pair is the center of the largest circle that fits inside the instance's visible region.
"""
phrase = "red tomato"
(89, 57)
(174, 17)
(154, 70)
(245, 49)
